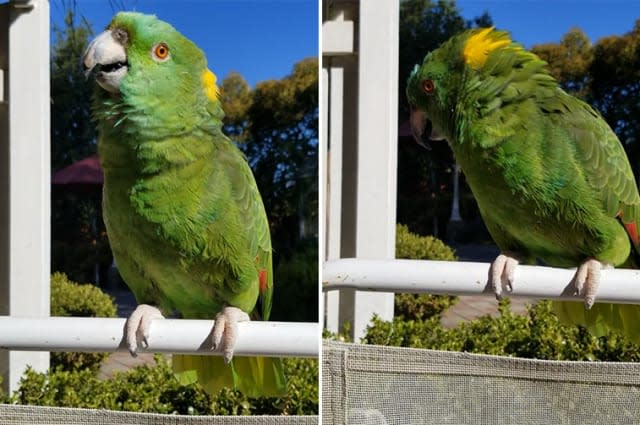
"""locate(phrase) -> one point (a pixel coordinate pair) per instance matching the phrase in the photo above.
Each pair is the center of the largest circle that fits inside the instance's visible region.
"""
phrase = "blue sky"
(539, 21)
(260, 39)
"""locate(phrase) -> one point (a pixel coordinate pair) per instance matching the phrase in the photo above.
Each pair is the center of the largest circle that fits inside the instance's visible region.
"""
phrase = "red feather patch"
(632, 230)
(262, 277)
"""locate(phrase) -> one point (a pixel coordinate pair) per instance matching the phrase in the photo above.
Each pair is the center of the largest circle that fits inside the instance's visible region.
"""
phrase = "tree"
(73, 134)
(569, 61)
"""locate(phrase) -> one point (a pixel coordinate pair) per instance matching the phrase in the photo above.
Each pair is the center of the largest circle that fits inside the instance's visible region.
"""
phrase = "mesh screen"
(37, 415)
(364, 384)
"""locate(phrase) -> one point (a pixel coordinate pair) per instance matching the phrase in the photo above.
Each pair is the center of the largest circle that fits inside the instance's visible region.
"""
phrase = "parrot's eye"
(428, 87)
(160, 52)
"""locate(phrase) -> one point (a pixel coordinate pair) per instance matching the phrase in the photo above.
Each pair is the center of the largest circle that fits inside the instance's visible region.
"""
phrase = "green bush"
(71, 299)
(416, 247)
(155, 389)
(538, 335)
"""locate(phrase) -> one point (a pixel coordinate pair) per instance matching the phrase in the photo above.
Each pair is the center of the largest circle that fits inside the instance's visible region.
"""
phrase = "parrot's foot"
(587, 279)
(225, 330)
(501, 273)
(136, 329)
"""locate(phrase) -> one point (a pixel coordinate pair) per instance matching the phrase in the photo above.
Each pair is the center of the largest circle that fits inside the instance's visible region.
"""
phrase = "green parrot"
(184, 217)
(550, 177)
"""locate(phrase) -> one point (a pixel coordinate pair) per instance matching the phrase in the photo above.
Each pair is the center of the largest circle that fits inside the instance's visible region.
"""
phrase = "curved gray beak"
(109, 58)
(422, 128)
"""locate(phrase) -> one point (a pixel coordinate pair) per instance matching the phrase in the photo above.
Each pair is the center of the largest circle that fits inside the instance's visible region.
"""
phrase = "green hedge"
(71, 299)
(415, 247)
(155, 389)
(539, 334)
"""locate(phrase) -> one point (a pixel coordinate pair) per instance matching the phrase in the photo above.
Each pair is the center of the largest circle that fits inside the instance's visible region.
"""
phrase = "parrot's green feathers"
(183, 213)
(551, 178)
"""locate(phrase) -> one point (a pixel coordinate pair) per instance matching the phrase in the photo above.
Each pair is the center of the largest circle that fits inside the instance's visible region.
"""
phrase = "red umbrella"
(86, 171)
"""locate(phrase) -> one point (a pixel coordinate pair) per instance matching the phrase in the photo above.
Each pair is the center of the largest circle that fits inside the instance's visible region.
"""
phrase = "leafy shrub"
(538, 335)
(416, 247)
(155, 389)
(71, 299)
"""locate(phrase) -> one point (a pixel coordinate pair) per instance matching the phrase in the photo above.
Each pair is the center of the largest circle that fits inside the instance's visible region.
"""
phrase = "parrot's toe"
(225, 330)
(587, 279)
(137, 327)
(502, 273)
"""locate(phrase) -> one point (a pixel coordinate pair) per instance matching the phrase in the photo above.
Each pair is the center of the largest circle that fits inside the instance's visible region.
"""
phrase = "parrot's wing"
(605, 164)
(253, 217)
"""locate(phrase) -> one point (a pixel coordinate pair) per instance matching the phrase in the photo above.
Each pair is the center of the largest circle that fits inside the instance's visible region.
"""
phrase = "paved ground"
(121, 361)
(472, 307)
(467, 308)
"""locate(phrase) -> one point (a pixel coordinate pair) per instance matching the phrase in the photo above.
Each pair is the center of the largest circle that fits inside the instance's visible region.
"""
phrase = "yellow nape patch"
(479, 45)
(209, 85)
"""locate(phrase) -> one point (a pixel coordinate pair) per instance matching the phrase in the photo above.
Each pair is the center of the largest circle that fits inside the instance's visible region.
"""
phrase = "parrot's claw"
(136, 329)
(587, 279)
(502, 273)
(225, 330)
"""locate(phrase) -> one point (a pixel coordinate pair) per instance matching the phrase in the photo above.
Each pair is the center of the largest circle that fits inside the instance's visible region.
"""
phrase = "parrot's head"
(143, 64)
(456, 81)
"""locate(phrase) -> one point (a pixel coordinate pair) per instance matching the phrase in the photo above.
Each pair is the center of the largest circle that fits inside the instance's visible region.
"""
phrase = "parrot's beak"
(107, 55)
(422, 128)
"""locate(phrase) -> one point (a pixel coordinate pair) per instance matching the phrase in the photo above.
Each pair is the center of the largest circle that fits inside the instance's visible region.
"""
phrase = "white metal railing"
(468, 278)
(90, 334)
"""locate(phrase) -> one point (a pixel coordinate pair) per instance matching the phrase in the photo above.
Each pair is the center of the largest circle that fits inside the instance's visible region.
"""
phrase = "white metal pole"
(27, 259)
(92, 334)
(467, 278)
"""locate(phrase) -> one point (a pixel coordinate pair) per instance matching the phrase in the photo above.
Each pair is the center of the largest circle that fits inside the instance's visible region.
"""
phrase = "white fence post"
(363, 96)
(25, 175)
(377, 150)
(339, 95)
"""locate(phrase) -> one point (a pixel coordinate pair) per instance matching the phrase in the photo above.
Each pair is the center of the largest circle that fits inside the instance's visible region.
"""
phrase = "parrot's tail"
(253, 376)
(602, 318)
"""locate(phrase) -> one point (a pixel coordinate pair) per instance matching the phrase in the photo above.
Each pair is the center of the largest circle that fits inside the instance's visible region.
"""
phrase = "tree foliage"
(569, 60)
(73, 134)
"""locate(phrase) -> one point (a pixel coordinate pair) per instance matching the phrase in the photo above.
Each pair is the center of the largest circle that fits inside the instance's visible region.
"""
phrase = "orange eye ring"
(428, 86)
(161, 51)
